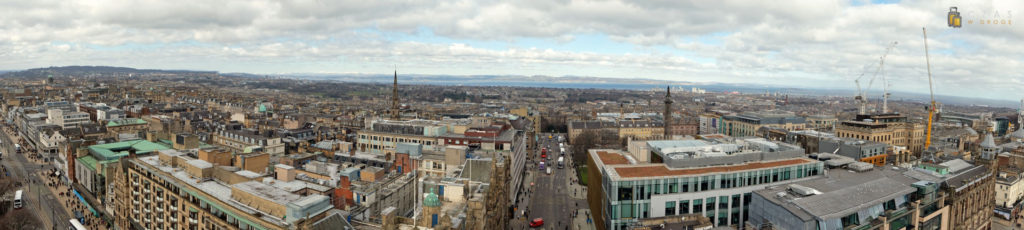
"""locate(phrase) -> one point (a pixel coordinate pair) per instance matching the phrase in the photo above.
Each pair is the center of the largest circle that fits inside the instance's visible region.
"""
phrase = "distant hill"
(91, 70)
(538, 81)
(628, 84)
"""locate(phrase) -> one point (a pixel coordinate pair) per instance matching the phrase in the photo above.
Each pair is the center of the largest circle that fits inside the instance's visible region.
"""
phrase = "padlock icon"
(953, 18)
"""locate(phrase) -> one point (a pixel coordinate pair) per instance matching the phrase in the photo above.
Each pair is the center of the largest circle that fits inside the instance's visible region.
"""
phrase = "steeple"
(394, 98)
(988, 147)
(668, 112)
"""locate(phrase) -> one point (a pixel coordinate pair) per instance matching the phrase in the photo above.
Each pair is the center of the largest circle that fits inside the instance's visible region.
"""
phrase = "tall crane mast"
(931, 91)
(862, 97)
(885, 82)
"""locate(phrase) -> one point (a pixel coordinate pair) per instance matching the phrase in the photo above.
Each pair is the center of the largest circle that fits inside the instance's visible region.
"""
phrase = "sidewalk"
(580, 222)
(57, 187)
(520, 222)
(579, 192)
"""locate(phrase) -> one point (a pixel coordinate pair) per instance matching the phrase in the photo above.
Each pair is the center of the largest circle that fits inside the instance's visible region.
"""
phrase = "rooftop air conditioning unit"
(803, 190)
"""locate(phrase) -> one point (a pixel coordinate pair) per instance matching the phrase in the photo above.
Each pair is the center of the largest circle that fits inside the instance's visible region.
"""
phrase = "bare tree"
(7, 185)
(20, 220)
(594, 139)
(581, 144)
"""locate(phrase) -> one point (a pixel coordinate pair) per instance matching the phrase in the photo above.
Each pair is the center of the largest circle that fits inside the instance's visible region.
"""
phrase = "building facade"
(822, 122)
(892, 129)
(245, 141)
(864, 151)
(689, 180)
(66, 119)
(747, 124)
(171, 191)
(711, 123)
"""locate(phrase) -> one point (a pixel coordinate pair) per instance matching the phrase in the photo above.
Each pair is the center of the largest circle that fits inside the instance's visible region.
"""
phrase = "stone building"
(748, 123)
(171, 190)
(892, 129)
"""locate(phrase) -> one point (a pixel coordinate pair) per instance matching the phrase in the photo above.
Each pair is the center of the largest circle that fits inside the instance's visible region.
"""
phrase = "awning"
(94, 213)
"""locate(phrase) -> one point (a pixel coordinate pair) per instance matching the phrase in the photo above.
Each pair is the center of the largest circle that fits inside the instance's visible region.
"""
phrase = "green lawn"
(581, 172)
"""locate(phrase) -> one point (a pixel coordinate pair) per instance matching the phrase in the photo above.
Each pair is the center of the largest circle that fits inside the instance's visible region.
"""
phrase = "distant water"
(620, 86)
(556, 85)
(713, 87)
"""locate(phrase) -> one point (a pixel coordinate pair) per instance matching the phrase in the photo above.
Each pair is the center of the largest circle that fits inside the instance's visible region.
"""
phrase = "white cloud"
(779, 42)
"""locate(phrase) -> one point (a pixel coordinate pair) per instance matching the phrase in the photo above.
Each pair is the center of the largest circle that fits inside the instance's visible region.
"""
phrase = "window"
(625, 192)
(684, 207)
(736, 201)
(723, 202)
(697, 206)
(709, 205)
(850, 220)
(670, 208)
(626, 211)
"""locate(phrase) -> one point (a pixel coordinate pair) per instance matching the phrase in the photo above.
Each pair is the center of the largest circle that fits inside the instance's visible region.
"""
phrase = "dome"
(988, 142)
(430, 199)
(1019, 134)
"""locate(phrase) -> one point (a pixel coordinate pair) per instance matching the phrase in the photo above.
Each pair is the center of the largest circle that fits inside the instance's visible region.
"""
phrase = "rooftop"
(270, 193)
(660, 170)
(611, 157)
(704, 153)
(841, 193)
(126, 121)
(120, 149)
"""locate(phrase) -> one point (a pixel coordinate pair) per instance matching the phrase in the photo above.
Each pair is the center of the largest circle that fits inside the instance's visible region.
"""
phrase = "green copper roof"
(431, 199)
(113, 151)
(263, 108)
(126, 121)
(89, 162)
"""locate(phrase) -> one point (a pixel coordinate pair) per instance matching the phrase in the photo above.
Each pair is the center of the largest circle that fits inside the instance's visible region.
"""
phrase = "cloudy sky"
(813, 43)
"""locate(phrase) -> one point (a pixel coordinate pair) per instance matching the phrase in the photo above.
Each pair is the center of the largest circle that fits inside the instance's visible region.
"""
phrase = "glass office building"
(696, 176)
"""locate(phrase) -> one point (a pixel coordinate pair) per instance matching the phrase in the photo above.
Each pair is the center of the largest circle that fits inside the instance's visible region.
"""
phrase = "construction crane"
(931, 109)
(885, 82)
(861, 96)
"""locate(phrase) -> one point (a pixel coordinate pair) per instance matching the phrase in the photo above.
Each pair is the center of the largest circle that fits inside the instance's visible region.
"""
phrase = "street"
(554, 197)
(39, 199)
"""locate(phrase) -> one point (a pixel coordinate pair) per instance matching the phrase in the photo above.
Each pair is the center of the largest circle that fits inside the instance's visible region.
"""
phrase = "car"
(537, 222)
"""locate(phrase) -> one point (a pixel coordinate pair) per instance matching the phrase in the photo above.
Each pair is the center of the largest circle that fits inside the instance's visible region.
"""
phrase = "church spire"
(668, 112)
(394, 98)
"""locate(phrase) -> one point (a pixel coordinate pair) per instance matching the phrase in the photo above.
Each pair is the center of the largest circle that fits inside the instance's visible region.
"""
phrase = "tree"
(553, 122)
(593, 139)
(20, 219)
(581, 144)
(7, 185)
